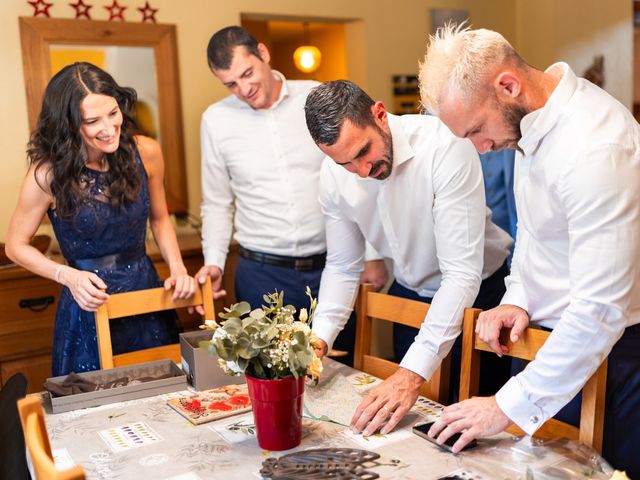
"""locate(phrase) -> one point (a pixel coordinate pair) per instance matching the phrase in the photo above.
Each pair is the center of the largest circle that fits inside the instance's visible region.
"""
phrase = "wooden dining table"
(173, 448)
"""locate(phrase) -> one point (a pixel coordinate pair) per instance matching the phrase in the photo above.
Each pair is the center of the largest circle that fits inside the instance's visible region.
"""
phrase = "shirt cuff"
(420, 360)
(370, 253)
(214, 257)
(325, 330)
(515, 296)
(512, 400)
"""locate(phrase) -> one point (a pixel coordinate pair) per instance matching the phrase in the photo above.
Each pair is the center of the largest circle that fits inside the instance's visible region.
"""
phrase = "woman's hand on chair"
(87, 288)
(183, 285)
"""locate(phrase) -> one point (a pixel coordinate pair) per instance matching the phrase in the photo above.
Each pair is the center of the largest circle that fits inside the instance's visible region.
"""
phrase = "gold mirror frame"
(38, 34)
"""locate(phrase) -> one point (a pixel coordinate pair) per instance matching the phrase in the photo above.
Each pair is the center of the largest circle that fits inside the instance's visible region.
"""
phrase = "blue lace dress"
(108, 240)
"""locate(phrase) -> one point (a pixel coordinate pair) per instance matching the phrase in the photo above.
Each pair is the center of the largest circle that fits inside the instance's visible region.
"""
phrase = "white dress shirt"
(429, 216)
(266, 164)
(575, 267)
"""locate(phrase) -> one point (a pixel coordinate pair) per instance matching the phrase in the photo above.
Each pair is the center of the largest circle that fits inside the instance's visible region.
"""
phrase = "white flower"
(209, 325)
(303, 315)
(233, 366)
(301, 327)
(219, 333)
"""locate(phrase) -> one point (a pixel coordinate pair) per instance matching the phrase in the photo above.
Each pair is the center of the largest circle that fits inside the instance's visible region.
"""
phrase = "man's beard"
(512, 116)
(385, 165)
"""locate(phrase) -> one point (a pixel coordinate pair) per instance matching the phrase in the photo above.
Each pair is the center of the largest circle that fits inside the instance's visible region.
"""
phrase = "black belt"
(116, 260)
(314, 262)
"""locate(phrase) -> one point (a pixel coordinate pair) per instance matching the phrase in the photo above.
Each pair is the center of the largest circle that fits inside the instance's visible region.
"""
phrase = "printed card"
(209, 405)
(126, 437)
(377, 440)
(238, 429)
(62, 459)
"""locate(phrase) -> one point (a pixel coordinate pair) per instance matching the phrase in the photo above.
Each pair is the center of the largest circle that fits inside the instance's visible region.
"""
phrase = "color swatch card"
(213, 404)
(126, 437)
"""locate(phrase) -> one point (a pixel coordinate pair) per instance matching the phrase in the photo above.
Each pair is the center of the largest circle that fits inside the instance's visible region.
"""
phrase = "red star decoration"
(40, 7)
(148, 13)
(82, 10)
(116, 12)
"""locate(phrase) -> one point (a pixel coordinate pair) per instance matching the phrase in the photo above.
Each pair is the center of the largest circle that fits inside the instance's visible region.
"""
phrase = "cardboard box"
(126, 392)
(201, 367)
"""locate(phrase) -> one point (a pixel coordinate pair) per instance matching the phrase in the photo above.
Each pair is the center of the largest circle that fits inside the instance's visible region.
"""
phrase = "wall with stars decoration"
(388, 38)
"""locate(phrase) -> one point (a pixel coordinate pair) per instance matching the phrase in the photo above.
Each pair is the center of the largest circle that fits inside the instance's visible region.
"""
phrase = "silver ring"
(386, 409)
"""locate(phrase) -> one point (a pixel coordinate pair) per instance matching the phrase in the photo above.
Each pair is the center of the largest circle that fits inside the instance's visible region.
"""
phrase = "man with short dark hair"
(260, 172)
(417, 198)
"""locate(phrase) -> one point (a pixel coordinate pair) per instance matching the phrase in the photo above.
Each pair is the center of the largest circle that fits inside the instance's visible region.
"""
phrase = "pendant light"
(307, 57)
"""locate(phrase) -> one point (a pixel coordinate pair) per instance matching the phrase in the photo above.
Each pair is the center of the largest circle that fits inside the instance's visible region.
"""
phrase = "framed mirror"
(141, 52)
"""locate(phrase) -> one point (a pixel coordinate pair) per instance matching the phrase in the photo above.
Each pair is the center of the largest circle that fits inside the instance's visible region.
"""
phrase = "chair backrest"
(37, 440)
(526, 348)
(145, 301)
(393, 309)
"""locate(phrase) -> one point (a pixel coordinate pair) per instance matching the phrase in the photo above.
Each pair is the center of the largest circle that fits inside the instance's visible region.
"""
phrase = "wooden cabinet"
(27, 311)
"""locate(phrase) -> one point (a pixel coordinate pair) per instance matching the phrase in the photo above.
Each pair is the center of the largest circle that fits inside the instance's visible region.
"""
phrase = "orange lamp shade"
(307, 58)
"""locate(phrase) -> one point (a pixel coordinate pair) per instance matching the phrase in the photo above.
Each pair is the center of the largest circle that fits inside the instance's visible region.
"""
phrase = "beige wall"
(575, 31)
(388, 39)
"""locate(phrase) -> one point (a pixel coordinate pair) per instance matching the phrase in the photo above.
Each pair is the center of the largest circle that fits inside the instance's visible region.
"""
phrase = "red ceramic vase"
(277, 411)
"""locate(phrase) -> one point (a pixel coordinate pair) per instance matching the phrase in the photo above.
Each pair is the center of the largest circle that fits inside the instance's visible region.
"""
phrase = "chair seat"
(12, 451)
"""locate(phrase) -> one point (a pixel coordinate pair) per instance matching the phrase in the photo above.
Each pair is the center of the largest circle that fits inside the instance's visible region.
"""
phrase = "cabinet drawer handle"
(38, 304)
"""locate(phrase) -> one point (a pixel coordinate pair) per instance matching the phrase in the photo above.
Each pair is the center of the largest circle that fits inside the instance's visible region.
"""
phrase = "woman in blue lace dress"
(99, 183)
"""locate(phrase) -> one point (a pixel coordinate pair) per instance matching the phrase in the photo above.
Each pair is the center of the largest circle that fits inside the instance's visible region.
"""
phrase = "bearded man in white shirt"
(260, 172)
(575, 269)
(413, 191)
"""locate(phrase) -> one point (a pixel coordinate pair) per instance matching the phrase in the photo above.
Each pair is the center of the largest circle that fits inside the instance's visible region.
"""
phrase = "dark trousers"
(494, 371)
(621, 439)
(254, 279)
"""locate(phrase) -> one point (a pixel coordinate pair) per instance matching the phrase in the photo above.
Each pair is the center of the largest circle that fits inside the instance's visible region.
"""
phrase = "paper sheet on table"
(334, 402)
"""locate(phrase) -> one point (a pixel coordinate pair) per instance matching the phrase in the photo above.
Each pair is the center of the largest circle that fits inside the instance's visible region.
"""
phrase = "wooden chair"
(145, 301)
(412, 313)
(593, 392)
(37, 440)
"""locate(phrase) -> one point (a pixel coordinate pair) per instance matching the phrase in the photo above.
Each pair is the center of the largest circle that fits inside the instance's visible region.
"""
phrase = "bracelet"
(56, 276)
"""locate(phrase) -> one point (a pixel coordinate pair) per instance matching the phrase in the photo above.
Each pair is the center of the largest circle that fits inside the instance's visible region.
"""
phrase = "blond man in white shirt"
(413, 191)
(260, 172)
(575, 269)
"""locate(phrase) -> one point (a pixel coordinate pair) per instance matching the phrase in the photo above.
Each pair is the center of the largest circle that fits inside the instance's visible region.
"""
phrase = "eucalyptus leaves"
(267, 342)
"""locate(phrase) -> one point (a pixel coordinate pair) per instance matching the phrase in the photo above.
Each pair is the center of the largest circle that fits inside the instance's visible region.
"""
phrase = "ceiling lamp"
(307, 57)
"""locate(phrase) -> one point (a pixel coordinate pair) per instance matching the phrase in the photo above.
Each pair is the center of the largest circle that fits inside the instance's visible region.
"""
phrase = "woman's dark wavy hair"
(57, 142)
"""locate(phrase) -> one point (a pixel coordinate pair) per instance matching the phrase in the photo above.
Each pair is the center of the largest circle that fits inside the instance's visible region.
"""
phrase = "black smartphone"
(423, 431)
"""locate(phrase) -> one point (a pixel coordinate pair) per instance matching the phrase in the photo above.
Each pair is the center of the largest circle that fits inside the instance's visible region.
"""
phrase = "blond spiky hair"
(458, 61)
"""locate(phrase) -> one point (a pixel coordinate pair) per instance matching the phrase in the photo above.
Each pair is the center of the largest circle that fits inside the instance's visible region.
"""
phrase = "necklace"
(101, 164)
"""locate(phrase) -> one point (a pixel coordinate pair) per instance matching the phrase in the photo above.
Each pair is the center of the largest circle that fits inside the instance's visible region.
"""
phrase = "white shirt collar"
(284, 90)
(402, 150)
(537, 124)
